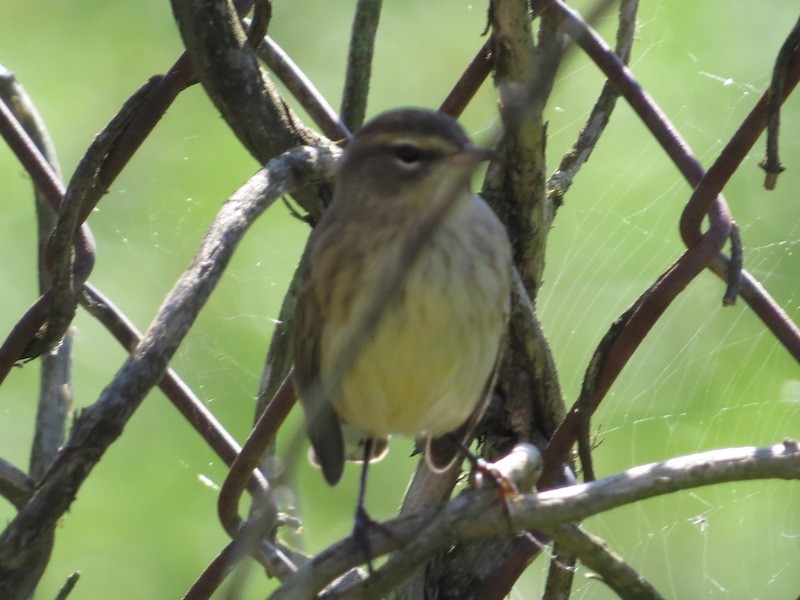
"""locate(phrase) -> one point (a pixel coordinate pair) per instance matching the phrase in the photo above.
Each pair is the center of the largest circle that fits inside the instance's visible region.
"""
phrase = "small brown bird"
(427, 367)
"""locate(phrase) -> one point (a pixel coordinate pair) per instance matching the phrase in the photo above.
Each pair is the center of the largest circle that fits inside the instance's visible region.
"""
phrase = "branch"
(99, 425)
(359, 62)
(764, 306)
(479, 513)
(49, 185)
(55, 377)
(228, 68)
(85, 189)
(55, 390)
(15, 485)
(171, 384)
(301, 87)
(560, 181)
(560, 575)
(595, 554)
(260, 438)
(704, 248)
(470, 81)
(514, 186)
(418, 542)
(772, 163)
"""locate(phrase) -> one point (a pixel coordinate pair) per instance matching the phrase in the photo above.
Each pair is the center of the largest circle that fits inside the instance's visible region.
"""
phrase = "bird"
(427, 366)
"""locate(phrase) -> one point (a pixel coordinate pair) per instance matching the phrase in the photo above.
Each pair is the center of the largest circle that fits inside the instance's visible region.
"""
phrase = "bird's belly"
(424, 368)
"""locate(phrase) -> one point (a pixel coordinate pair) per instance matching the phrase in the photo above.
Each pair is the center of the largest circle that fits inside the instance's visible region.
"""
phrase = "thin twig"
(247, 541)
(772, 162)
(612, 569)
(359, 62)
(262, 15)
(213, 576)
(24, 330)
(303, 89)
(735, 267)
(68, 586)
(43, 175)
(470, 81)
(560, 181)
(560, 575)
(15, 485)
(55, 388)
(85, 189)
(262, 435)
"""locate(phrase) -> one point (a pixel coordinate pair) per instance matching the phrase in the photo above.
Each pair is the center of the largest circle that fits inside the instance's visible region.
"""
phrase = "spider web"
(705, 378)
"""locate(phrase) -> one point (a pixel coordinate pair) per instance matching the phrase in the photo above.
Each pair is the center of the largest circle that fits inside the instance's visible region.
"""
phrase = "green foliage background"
(144, 525)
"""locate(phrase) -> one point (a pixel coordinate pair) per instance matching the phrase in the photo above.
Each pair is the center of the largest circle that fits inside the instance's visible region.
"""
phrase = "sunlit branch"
(479, 513)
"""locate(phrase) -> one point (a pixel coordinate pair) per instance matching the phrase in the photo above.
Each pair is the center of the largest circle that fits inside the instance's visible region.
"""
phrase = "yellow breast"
(424, 368)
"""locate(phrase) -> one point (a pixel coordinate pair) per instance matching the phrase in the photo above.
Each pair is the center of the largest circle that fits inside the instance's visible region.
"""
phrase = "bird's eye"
(408, 154)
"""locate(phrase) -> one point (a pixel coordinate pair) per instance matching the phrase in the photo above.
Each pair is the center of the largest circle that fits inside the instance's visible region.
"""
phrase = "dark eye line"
(411, 154)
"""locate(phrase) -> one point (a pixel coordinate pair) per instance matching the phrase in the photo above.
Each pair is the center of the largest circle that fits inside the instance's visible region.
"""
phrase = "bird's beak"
(470, 154)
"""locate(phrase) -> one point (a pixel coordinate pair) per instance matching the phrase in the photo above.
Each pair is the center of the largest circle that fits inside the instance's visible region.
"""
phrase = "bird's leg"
(363, 522)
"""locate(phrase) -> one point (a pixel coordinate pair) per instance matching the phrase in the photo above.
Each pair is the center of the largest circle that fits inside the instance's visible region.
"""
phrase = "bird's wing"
(322, 422)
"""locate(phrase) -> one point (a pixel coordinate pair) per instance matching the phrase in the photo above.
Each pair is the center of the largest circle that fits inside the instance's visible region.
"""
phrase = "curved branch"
(242, 469)
(55, 376)
(301, 87)
(227, 66)
(639, 319)
(100, 425)
(666, 134)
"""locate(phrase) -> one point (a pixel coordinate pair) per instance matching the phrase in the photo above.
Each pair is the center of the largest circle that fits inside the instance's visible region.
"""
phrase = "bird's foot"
(363, 523)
